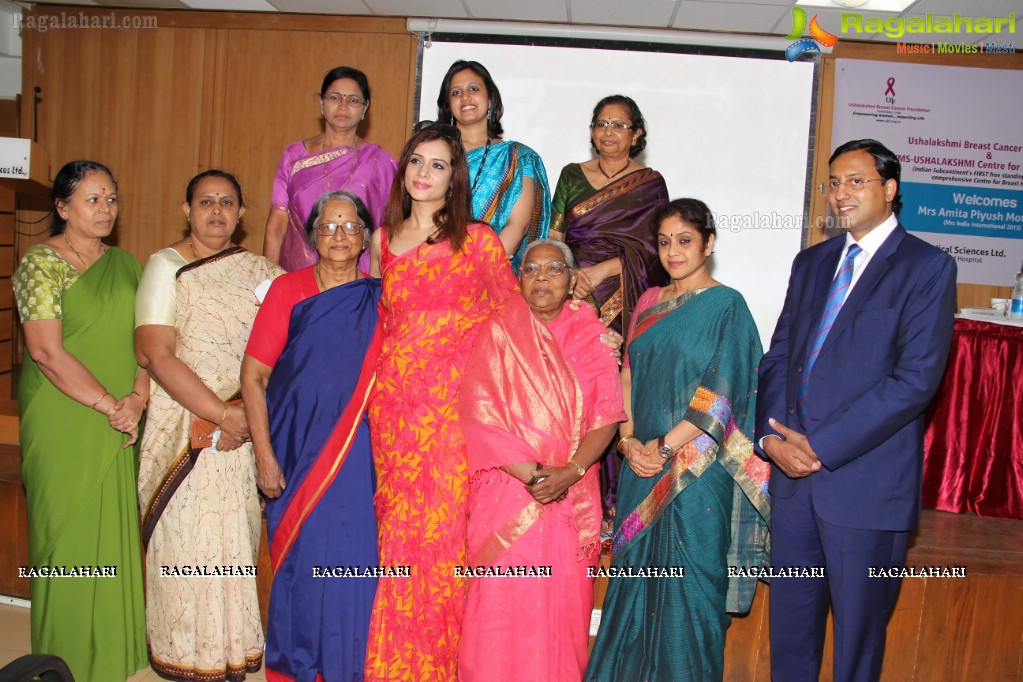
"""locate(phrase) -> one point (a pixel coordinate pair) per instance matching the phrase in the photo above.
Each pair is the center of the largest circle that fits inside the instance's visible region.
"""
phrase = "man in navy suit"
(858, 353)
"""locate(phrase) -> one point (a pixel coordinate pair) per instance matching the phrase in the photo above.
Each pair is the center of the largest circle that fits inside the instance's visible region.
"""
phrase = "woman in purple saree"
(335, 159)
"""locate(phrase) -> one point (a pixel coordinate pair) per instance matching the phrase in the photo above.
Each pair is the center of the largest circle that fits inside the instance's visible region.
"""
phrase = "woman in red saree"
(442, 278)
(539, 403)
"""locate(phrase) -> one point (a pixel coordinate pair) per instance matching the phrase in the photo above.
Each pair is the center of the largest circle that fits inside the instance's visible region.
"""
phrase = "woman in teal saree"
(694, 494)
(80, 398)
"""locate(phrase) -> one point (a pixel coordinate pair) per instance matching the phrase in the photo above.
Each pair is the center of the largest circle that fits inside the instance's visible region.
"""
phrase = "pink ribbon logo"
(891, 87)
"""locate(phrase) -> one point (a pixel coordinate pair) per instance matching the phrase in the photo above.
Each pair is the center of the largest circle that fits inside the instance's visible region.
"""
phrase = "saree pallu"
(692, 358)
(614, 222)
(316, 401)
(80, 486)
(433, 304)
(200, 508)
(521, 401)
(500, 185)
(302, 178)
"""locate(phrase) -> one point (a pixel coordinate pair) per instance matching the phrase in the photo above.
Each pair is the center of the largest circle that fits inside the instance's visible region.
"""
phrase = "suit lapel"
(878, 266)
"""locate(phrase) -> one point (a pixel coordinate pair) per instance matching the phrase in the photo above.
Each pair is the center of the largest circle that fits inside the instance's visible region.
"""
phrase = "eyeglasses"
(852, 184)
(337, 100)
(614, 125)
(553, 268)
(449, 131)
(329, 229)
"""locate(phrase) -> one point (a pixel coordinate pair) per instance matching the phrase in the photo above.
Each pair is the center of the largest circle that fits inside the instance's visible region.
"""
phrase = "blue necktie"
(836, 297)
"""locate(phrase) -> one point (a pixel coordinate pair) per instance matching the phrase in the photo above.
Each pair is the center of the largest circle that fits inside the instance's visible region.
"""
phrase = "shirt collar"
(873, 240)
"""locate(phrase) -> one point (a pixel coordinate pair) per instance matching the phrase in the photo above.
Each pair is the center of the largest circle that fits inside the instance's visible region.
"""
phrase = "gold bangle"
(621, 442)
(578, 467)
(224, 418)
(104, 395)
(139, 396)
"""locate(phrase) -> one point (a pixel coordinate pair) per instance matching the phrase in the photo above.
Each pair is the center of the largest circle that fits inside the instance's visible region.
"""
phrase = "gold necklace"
(71, 246)
(351, 173)
(195, 256)
(319, 280)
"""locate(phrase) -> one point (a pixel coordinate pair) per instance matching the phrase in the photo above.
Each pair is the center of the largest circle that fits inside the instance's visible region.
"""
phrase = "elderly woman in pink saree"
(539, 403)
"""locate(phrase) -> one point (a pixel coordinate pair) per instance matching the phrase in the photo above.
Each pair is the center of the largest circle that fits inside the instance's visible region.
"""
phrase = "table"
(973, 446)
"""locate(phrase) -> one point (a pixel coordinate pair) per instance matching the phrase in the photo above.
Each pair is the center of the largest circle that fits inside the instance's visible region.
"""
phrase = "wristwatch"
(663, 449)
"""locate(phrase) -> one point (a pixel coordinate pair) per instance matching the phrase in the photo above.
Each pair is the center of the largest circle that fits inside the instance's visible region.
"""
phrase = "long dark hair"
(451, 219)
(496, 111)
(65, 184)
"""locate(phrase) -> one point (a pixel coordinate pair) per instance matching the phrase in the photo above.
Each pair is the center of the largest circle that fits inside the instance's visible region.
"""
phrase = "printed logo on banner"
(821, 38)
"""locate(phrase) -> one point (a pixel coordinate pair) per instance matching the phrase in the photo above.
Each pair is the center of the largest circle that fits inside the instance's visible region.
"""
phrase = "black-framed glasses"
(613, 125)
(330, 229)
(852, 184)
(449, 131)
(338, 99)
(552, 268)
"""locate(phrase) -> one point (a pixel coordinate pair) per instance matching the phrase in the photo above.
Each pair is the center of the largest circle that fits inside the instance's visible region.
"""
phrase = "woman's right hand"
(642, 461)
(270, 478)
(234, 430)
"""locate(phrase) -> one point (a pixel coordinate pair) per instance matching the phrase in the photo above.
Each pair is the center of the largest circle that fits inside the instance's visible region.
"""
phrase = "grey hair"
(339, 195)
(559, 245)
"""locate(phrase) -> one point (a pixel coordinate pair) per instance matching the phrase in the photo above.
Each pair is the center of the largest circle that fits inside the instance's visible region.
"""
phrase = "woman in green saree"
(80, 397)
(694, 494)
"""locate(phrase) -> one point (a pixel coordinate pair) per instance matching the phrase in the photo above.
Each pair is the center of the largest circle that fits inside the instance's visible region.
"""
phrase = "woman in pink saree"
(335, 159)
(539, 403)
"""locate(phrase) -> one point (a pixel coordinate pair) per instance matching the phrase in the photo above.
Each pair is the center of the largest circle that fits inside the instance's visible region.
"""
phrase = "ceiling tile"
(145, 4)
(524, 10)
(618, 13)
(741, 18)
(448, 9)
(988, 8)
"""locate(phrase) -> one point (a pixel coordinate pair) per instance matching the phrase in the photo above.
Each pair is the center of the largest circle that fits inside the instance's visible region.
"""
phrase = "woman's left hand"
(614, 341)
(586, 280)
(555, 487)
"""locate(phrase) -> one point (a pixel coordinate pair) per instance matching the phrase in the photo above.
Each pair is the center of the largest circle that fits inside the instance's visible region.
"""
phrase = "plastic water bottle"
(1016, 311)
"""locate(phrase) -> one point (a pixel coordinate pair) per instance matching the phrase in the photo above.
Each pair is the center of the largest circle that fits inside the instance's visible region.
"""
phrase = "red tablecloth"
(973, 447)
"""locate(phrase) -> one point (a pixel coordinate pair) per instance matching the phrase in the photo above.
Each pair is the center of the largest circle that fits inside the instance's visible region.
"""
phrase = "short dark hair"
(885, 161)
(339, 72)
(66, 183)
(452, 219)
(212, 173)
(444, 113)
(692, 211)
(634, 113)
(340, 195)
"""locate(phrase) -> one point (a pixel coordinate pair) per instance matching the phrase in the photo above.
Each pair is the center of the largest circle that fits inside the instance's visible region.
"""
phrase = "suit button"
(800, 369)
(792, 410)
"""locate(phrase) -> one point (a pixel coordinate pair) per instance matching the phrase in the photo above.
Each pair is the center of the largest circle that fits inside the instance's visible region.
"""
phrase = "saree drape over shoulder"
(316, 400)
(200, 509)
(498, 185)
(530, 393)
(613, 222)
(434, 301)
(302, 178)
(79, 479)
(692, 358)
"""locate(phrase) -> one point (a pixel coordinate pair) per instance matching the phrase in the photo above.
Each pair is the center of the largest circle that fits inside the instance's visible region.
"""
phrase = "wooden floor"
(943, 629)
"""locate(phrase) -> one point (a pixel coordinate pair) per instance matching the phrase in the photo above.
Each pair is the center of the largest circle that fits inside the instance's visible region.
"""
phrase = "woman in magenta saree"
(540, 401)
(314, 347)
(337, 159)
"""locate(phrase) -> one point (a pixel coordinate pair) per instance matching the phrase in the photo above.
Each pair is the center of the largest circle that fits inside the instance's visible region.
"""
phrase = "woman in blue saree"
(306, 378)
(509, 189)
(694, 493)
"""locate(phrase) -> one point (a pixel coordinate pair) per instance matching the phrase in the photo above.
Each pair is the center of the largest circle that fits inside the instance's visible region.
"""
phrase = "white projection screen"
(732, 130)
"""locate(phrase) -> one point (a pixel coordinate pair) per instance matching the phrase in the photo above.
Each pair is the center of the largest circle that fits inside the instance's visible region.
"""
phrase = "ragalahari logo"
(821, 38)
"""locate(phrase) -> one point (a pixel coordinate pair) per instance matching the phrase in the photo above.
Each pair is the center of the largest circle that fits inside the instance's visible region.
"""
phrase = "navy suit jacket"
(879, 367)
